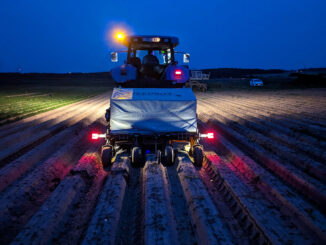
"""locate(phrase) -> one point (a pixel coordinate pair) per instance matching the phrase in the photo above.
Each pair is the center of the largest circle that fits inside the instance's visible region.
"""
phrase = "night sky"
(72, 36)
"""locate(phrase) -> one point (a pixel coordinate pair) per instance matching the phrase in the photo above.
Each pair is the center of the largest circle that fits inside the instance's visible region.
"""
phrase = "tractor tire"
(106, 155)
(136, 156)
(169, 155)
(198, 155)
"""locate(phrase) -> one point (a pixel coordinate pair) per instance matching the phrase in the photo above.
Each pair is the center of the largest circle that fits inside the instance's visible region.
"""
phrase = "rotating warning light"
(117, 33)
(120, 36)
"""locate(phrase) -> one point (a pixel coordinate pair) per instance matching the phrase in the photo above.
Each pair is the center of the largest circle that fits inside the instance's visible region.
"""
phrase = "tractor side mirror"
(114, 57)
(186, 58)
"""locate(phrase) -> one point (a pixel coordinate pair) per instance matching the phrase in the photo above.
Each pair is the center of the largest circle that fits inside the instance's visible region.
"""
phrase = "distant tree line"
(308, 80)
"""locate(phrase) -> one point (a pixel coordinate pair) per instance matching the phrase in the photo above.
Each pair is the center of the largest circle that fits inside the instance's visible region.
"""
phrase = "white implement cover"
(153, 110)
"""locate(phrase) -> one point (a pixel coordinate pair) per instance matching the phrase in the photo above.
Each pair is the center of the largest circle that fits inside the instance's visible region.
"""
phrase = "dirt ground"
(263, 180)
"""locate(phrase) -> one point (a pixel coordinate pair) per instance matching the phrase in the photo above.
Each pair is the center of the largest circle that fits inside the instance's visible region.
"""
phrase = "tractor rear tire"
(169, 155)
(106, 155)
(198, 155)
(136, 156)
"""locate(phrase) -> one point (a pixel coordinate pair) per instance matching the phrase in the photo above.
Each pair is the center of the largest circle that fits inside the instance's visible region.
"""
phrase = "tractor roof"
(151, 42)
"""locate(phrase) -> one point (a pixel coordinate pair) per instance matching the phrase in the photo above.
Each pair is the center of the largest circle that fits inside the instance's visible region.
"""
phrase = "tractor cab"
(151, 62)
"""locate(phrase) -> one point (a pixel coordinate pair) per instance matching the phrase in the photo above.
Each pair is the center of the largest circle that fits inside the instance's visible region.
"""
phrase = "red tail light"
(95, 136)
(178, 74)
(210, 135)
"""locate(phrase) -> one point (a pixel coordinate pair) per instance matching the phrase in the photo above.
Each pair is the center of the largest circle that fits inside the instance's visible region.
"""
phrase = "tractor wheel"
(106, 155)
(169, 155)
(198, 155)
(136, 156)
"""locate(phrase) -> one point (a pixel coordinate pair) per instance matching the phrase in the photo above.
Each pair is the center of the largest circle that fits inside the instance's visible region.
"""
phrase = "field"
(263, 180)
(23, 101)
(25, 94)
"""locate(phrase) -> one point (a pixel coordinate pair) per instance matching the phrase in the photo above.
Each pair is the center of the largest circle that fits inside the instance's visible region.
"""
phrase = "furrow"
(13, 152)
(21, 135)
(296, 111)
(46, 224)
(297, 159)
(286, 197)
(72, 229)
(306, 128)
(270, 122)
(272, 164)
(18, 167)
(46, 116)
(298, 216)
(274, 131)
(286, 106)
(232, 210)
(159, 223)
(279, 229)
(103, 226)
(210, 228)
(23, 198)
(180, 208)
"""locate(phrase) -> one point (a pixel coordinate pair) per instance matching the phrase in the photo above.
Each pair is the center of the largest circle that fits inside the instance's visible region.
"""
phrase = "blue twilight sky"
(71, 35)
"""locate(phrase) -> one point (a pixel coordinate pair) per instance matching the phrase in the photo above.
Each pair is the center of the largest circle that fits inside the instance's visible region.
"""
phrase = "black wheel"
(169, 155)
(106, 155)
(136, 156)
(198, 155)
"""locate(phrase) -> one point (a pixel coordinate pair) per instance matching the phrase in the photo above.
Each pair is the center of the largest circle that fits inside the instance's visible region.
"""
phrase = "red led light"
(95, 136)
(178, 74)
(210, 135)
